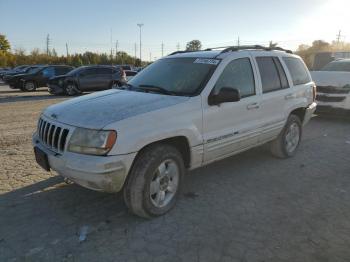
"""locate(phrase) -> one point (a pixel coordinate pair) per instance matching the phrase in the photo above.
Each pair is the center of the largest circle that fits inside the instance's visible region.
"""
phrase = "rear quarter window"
(297, 70)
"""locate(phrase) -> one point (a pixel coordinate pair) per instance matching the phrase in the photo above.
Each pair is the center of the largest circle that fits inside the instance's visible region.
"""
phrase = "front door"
(231, 127)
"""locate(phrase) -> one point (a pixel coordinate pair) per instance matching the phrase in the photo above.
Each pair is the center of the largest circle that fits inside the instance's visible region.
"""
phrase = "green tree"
(4, 44)
(194, 45)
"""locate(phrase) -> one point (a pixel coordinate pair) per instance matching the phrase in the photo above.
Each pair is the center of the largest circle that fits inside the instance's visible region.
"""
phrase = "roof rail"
(237, 48)
(256, 47)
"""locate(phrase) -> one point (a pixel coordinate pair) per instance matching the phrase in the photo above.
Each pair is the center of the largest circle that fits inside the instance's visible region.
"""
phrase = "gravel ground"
(250, 207)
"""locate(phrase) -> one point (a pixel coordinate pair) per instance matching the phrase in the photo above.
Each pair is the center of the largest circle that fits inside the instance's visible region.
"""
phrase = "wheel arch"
(299, 112)
(181, 143)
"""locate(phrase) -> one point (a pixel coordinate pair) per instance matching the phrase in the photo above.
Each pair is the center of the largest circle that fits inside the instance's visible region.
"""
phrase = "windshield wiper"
(126, 86)
(157, 89)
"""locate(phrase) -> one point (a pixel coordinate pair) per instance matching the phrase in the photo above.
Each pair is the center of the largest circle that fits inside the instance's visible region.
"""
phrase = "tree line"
(20, 57)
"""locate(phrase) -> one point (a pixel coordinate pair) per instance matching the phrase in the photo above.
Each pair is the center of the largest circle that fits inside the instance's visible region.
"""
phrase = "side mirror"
(226, 94)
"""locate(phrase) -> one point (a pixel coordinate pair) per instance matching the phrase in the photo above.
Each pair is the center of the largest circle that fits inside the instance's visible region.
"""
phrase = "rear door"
(46, 74)
(276, 95)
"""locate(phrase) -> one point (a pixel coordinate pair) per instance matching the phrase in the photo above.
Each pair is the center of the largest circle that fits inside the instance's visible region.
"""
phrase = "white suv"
(184, 111)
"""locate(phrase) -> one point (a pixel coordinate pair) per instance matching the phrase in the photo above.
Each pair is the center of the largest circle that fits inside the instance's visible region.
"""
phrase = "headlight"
(92, 142)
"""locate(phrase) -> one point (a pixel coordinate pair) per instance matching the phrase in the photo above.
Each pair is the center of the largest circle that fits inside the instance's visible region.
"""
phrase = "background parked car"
(127, 67)
(87, 78)
(7, 77)
(341, 65)
(16, 70)
(37, 77)
(129, 74)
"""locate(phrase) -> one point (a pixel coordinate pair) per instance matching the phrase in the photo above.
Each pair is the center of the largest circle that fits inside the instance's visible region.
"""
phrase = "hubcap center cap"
(163, 183)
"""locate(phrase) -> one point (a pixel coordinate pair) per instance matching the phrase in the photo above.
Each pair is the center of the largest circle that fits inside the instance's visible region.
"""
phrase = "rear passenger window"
(297, 70)
(272, 75)
(238, 74)
(49, 72)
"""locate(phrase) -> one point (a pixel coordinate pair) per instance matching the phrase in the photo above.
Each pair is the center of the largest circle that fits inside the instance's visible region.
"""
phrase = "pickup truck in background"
(333, 88)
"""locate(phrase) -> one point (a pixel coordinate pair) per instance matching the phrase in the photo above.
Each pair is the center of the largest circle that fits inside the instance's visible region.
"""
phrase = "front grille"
(52, 135)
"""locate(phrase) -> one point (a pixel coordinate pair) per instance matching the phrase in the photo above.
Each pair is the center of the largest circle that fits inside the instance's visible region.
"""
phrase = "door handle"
(289, 96)
(253, 106)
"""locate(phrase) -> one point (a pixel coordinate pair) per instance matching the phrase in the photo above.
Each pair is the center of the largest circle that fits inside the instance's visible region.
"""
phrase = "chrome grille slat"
(46, 132)
(52, 135)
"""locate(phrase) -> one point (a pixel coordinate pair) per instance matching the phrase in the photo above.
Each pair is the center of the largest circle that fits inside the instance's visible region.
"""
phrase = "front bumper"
(55, 89)
(100, 173)
(310, 110)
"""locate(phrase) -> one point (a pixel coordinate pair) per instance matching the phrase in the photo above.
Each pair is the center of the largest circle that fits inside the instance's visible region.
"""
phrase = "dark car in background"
(129, 74)
(14, 71)
(340, 65)
(87, 79)
(36, 77)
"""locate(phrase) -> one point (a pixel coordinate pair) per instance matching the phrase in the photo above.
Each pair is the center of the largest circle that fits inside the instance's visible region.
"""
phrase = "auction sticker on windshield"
(206, 61)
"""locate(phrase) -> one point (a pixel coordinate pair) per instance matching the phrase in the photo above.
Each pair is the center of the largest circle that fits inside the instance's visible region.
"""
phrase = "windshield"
(337, 66)
(179, 76)
(74, 71)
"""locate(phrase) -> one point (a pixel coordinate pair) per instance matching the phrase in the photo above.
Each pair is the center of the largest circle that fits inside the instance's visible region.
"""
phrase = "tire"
(71, 89)
(29, 86)
(287, 142)
(154, 182)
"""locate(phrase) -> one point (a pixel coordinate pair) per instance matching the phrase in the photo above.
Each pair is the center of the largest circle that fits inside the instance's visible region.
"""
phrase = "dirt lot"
(251, 207)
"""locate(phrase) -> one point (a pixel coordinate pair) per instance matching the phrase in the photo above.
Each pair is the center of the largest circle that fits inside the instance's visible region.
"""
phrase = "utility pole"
(178, 46)
(135, 47)
(140, 26)
(116, 51)
(150, 56)
(47, 44)
(162, 49)
(67, 50)
(238, 42)
(339, 36)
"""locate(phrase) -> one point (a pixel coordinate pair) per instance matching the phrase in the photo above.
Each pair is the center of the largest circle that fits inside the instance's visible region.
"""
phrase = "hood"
(19, 75)
(102, 108)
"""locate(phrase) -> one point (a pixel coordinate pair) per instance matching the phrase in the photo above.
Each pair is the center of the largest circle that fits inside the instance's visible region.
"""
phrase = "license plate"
(41, 158)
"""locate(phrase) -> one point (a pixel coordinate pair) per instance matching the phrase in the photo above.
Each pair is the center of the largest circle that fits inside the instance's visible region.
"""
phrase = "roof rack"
(251, 47)
(237, 48)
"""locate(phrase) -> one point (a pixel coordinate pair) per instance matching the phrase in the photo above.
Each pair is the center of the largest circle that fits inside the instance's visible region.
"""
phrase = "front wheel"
(287, 142)
(71, 89)
(154, 182)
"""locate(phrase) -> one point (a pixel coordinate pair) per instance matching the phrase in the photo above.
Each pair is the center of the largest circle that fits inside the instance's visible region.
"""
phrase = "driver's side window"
(238, 74)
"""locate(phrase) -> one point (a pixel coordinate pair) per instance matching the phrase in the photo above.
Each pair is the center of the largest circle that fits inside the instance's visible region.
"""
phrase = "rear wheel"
(286, 144)
(29, 86)
(154, 182)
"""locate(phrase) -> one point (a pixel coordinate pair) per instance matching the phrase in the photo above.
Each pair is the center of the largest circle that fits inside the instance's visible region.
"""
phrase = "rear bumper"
(310, 110)
(100, 173)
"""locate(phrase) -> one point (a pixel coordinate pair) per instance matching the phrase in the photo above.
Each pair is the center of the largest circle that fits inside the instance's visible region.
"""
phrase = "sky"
(96, 25)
